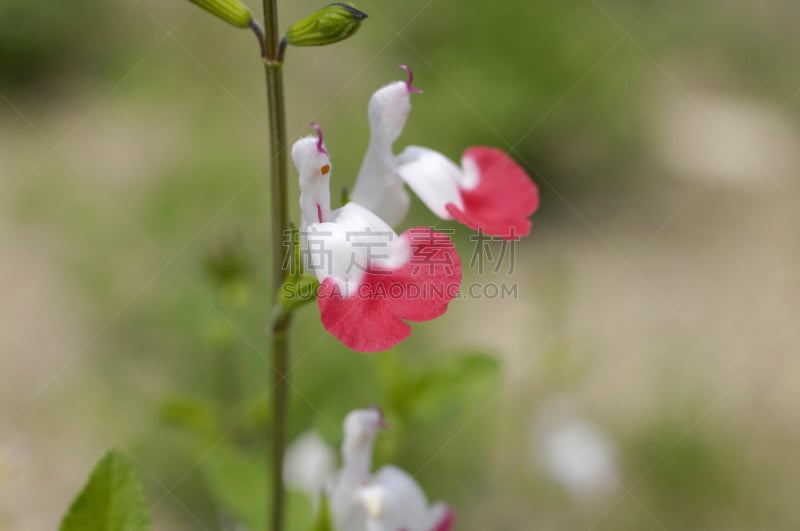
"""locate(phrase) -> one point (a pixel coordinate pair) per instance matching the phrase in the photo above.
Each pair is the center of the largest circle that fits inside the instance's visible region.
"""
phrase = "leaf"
(298, 290)
(323, 520)
(112, 500)
(194, 414)
(458, 385)
(237, 482)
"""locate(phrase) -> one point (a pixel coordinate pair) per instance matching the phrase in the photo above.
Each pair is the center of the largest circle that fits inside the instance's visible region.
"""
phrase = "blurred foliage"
(223, 431)
(442, 390)
(323, 520)
(37, 43)
(559, 81)
(693, 475)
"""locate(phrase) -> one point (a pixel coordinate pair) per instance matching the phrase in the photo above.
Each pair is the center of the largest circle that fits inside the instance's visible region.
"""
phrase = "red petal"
(503, 200)
(372, 320)
(363, 324)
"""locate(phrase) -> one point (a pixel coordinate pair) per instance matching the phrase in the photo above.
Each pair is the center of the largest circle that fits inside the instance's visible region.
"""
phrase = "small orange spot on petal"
(325, 169)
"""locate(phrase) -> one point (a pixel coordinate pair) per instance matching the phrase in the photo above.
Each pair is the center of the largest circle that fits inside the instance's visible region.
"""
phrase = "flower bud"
(330, 24)
(231, 11)
(226, 260)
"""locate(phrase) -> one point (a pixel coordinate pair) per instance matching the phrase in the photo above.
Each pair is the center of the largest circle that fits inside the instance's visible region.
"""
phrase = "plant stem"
(280, 363)
(279, 328)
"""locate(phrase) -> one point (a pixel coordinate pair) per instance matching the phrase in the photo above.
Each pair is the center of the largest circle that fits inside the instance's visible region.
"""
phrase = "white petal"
(378, 186)
(360, 429)
(580, 456)
(433, 177)
(355, 216)
(372, 498)
(356, 240)
(376, 525)
(329, 253)
(383, 191)
(309, 464)
(347, 509)
(438, 512)
(314, 168)
(366, 230)
(389, 108)
(404, 503)
(307, 158)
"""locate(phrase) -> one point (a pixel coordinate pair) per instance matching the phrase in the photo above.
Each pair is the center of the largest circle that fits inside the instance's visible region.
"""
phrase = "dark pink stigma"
(382, 421)
(410, 82)
(320, 147)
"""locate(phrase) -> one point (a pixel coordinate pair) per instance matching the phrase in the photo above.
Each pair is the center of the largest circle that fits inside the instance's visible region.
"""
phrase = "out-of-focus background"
(645, 375)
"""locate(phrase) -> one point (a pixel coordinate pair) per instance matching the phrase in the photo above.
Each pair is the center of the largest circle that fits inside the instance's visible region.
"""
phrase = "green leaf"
(112, 500)
(323, 521)
(461, 384)
(298, 290)
(237, 482)
(445, 390)
(194, 414)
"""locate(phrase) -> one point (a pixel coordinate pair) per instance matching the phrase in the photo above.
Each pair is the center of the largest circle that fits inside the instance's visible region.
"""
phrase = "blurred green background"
(656, 294)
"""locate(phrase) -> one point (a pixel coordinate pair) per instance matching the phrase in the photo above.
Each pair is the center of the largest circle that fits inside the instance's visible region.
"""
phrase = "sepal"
(298, 290)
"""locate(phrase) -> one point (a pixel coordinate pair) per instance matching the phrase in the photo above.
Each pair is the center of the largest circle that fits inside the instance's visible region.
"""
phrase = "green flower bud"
(226, 260)
(330, 24)
(231, 11)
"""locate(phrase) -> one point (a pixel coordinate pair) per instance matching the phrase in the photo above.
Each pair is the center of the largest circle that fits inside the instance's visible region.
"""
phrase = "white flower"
(579, 456)
(388, 500)
(309, 465)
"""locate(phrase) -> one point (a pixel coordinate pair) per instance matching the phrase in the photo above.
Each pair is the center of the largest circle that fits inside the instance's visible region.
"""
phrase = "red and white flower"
(387, 500)
(372, 280)
(489, 192)
(360, 500)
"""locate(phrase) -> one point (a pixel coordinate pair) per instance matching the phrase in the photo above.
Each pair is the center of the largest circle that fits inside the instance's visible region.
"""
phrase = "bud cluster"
(331, 24)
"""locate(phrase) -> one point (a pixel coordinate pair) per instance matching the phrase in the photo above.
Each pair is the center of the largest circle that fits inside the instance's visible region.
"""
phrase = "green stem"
(279, 329)
(280, 363)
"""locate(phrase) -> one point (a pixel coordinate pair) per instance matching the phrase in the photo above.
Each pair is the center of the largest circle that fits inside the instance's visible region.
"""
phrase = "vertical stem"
(280, 362)
(280, 223)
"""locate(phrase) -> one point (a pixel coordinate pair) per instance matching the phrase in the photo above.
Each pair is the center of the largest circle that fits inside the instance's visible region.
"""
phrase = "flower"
(489, 192)
(388, 500)
(576, 453)
(372, 280)
(309, 464)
